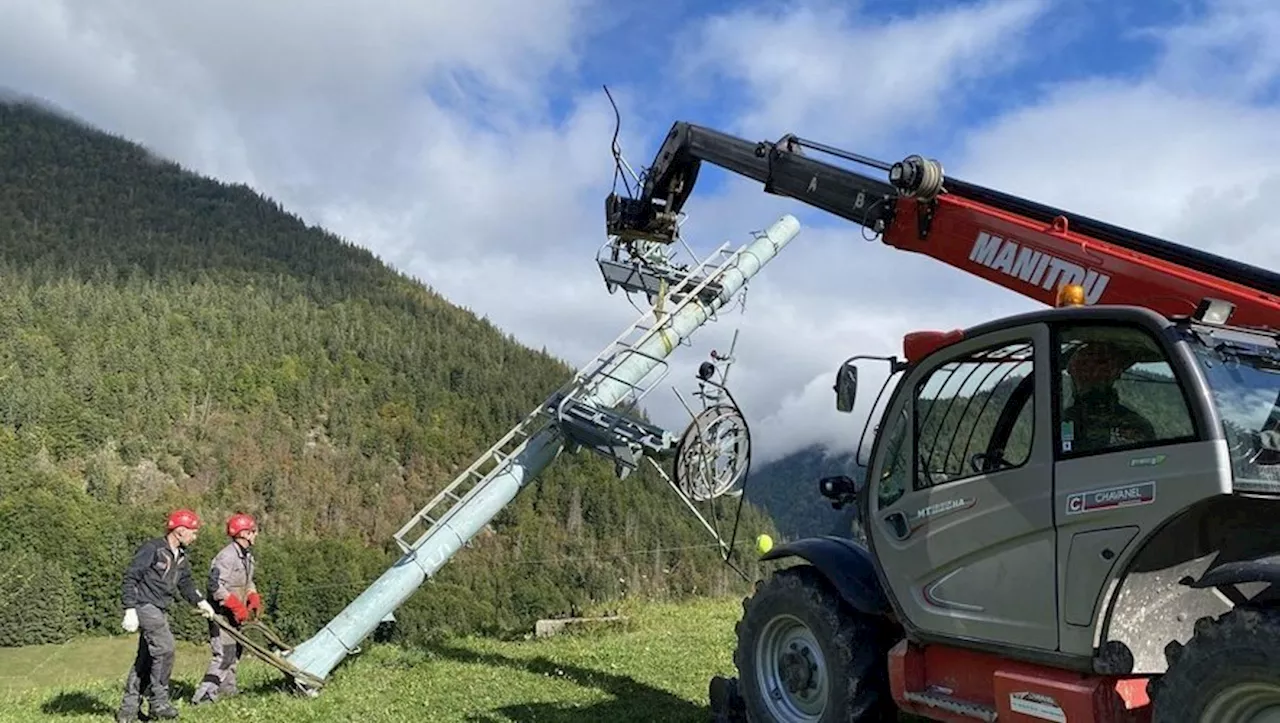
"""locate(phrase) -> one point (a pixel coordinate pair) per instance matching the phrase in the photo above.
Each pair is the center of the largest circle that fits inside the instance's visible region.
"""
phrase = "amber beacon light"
(1070, 295)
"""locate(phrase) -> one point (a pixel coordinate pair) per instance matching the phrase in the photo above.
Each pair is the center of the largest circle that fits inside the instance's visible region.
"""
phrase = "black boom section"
(781, 167)
(846, 564)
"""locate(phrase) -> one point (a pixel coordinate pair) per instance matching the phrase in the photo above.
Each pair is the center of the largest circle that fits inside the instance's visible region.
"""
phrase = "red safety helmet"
(240, 522)
(183, 518)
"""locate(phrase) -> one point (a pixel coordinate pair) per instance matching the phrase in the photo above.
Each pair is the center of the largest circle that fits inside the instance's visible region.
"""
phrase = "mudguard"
(846, 564)
(1259, 569)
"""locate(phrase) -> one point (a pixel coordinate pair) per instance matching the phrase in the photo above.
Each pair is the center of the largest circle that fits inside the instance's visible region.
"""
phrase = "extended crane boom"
(1021, 245)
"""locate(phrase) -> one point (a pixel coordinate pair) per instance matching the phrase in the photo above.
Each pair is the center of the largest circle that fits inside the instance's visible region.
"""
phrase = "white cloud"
(425, 132)
(1193, 169)
(1231, 51)
(307, 101)
(839, 75)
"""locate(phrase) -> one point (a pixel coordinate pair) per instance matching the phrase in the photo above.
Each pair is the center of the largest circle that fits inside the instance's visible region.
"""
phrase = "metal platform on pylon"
(611, 433)
(650, 268)
(652, 282)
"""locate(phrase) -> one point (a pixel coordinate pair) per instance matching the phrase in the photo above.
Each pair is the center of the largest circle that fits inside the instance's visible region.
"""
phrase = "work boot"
(166, 713)
(204, 698)
(123, 717)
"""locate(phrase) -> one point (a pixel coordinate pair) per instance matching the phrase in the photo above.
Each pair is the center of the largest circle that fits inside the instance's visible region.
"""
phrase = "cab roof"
(917, 345)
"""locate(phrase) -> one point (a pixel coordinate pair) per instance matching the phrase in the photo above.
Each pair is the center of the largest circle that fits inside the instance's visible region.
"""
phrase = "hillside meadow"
(170, 340)
(654, 666)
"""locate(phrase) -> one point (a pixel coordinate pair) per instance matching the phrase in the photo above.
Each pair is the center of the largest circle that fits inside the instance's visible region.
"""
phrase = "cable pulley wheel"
(713, 453)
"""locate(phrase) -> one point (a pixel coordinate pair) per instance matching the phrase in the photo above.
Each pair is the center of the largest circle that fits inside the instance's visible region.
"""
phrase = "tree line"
(166, 340)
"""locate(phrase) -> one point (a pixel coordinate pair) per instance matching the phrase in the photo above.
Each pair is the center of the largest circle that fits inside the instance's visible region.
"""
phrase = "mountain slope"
(166, 339)
(787, 489)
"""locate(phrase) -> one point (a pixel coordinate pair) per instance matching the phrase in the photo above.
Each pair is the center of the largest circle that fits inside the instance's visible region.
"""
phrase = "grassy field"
(655, 667)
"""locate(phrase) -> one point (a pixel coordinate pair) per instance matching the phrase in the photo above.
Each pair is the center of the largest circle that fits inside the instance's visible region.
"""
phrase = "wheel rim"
(1255, 702)
(791, 672)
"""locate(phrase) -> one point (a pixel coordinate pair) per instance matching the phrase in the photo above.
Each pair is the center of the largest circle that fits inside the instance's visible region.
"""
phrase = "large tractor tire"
(804, 656)
(1228, 672)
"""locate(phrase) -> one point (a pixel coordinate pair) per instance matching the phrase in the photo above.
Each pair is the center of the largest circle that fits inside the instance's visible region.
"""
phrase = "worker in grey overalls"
(236, 598)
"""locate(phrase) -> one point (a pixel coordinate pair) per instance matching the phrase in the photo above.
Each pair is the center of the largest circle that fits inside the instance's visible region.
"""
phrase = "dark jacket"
(1100, 421)
(156, 575)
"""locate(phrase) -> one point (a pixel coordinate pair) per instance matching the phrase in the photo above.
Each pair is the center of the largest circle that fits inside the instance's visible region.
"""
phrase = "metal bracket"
(924, 217)
(610, 433)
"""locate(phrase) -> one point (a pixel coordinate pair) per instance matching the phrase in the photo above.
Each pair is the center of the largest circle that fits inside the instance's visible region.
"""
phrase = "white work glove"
(205, 609)
(130, 622)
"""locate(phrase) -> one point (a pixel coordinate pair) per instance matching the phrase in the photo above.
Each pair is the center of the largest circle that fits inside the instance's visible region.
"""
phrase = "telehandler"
(1069, 514)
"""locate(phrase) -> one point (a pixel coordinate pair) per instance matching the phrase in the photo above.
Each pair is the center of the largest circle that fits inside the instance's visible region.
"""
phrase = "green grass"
(655, 668)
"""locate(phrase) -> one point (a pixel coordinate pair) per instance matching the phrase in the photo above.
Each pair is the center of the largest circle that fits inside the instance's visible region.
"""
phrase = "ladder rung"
(471, 478)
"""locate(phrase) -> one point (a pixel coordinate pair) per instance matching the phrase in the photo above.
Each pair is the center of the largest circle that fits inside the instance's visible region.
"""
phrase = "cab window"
(975, 414)
(896, 470)
(1116, 391)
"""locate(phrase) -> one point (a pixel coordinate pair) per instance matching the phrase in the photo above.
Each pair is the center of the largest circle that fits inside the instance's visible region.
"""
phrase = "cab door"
(961, 500)
(1128, 460)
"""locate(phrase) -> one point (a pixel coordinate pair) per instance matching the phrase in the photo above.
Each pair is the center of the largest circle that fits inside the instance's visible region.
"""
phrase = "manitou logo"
(1036, 267)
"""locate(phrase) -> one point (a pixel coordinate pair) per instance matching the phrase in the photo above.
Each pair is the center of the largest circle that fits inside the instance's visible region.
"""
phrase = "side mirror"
(846, 387)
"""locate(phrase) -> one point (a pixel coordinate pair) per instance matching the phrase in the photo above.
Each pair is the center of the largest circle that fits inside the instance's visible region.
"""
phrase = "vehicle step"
(969, 709)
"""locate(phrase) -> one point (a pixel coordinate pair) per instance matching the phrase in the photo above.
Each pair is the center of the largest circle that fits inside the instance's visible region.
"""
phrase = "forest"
(167, 339)
(787, 489)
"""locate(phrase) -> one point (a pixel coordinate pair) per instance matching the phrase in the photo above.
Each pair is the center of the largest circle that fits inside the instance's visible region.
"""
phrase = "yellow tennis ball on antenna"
(764, 543)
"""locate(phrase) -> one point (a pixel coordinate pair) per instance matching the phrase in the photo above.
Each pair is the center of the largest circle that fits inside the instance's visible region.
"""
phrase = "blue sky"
(468, 143)
(638, 46)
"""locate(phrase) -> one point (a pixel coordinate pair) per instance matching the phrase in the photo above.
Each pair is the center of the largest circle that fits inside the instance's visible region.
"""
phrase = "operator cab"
(1019, 467)
(1240, 366)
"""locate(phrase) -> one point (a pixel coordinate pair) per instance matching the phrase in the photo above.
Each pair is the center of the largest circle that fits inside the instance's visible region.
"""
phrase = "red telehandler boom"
(1021, 245)
(1067, 515)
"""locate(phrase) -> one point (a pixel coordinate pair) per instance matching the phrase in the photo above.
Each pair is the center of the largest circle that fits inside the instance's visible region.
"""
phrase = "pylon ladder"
(485, 467)
(649, 323)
